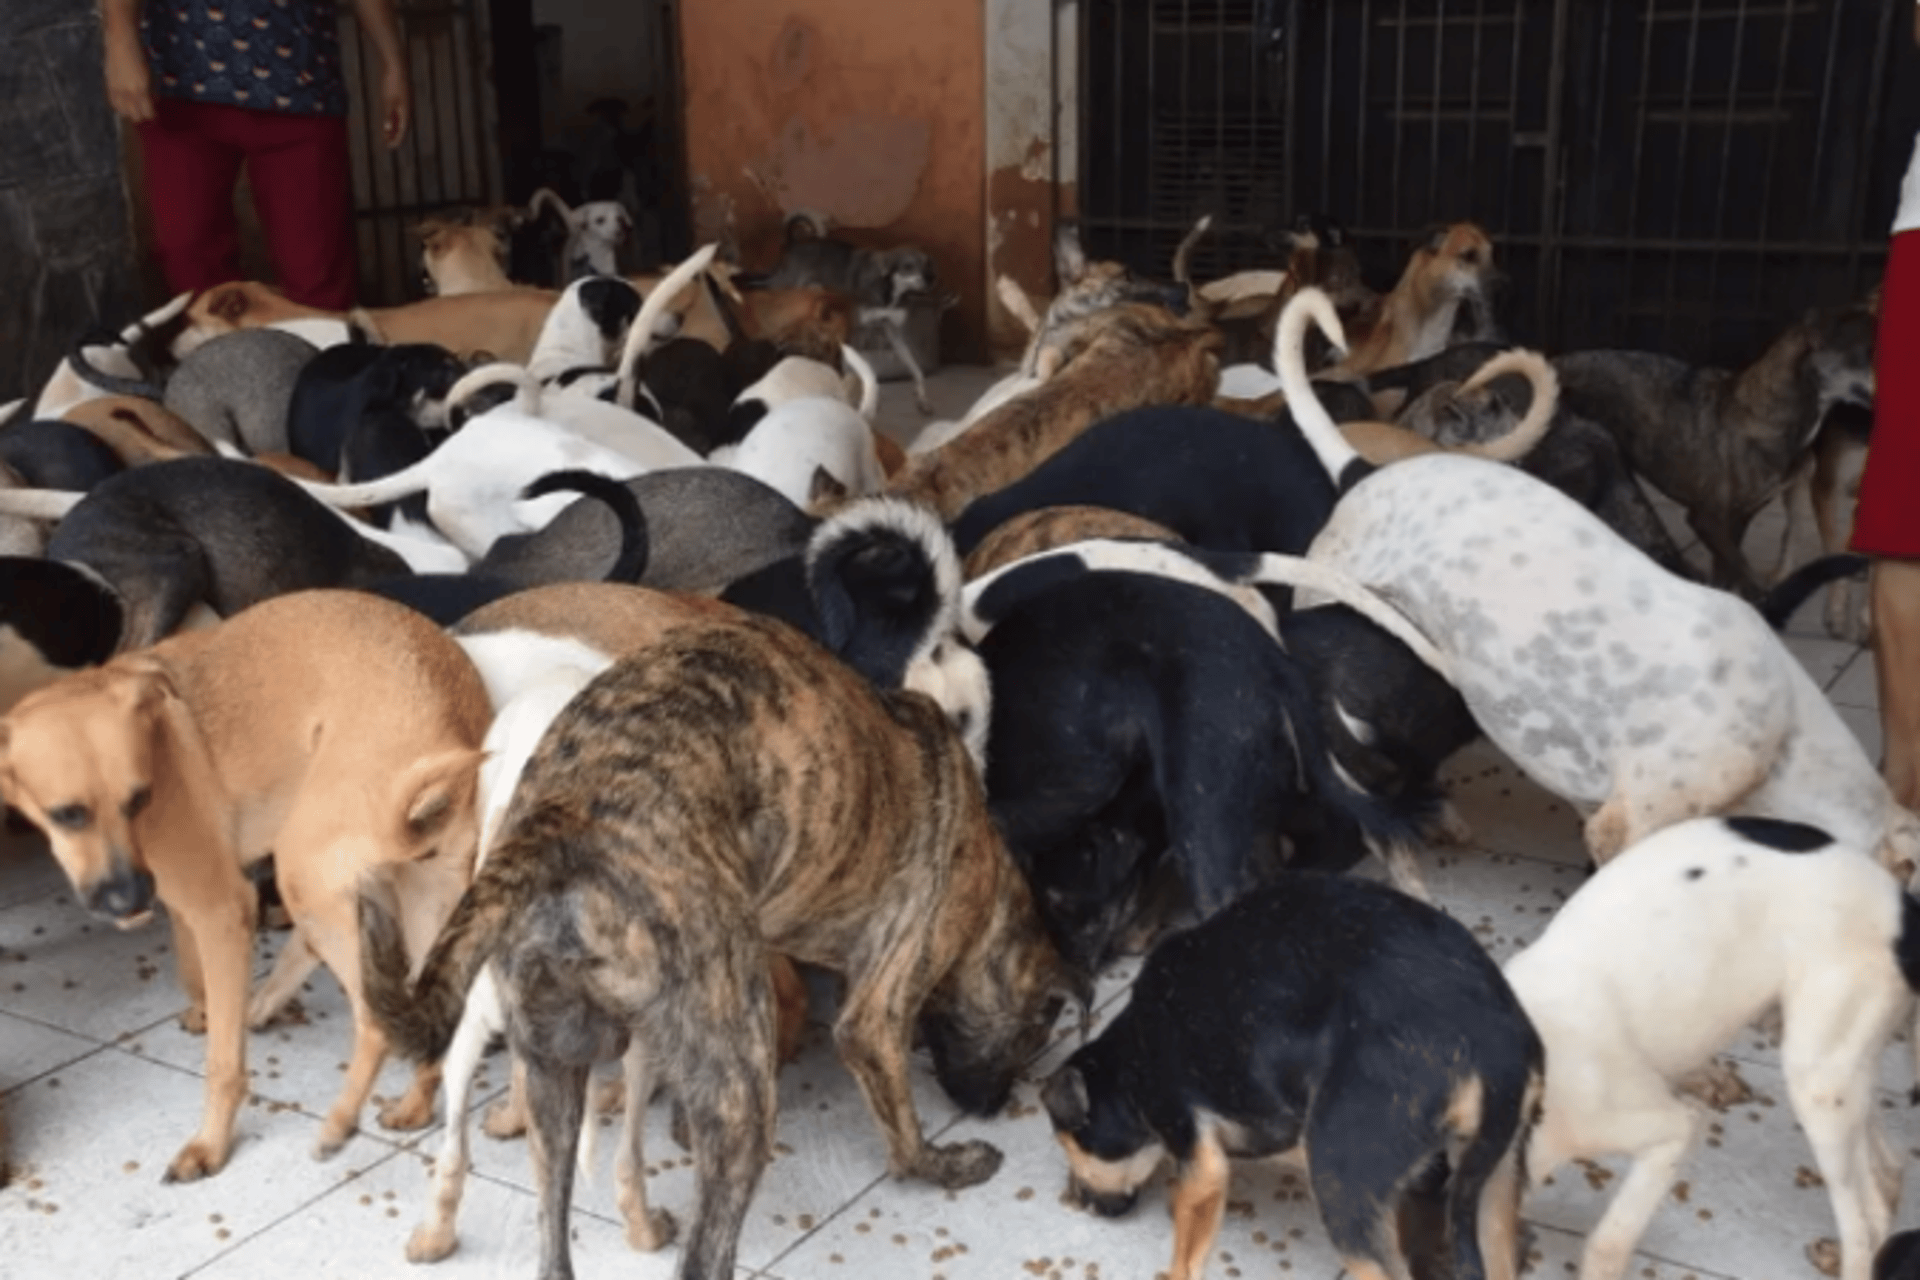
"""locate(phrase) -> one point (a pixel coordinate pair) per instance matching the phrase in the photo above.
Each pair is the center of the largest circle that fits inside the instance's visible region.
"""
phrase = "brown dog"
(165, 773)
(1134, 355)
(728, 790)
(505, 323)
(1049, 527)
(138, 430)
(468, 254)
(1454, 268)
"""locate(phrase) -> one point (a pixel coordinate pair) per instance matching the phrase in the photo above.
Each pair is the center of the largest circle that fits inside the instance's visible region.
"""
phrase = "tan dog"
(814, 323)
(1416, 320)
(1451, 417)
(1035, 531)
(505, 323)
(467, 254)
(138, 430)
(1134, 354)
(165, 773)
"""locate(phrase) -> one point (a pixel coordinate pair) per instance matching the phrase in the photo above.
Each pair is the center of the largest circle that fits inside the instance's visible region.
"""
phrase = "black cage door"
(1681, 175)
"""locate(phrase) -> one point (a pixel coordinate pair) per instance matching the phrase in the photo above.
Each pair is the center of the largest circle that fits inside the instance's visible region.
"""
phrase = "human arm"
(382, 27)
(129, 81)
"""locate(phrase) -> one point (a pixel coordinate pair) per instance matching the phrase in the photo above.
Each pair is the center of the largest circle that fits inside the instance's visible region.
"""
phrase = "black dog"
(1218, 480)
(1135, 714)
(173, 534)
(1329, 1014)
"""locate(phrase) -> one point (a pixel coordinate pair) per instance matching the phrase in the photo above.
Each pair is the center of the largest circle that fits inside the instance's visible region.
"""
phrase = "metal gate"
(1677, 175)
(449, 157)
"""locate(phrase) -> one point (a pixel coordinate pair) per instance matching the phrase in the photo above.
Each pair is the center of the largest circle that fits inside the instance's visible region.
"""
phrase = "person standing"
(213, 85)
(1884, 525)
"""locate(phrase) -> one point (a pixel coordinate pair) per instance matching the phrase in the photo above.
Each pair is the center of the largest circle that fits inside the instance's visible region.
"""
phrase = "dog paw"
(196, 1160)
(654, 1231)
(960, 1164)
(611, 1098)
(1824, 1254)
(290, 1014)
(333, 1136)
(193, 1021)
(1719, 1085)
(408, 1112)
(504, 1120)
(1449, 827)
(431, 1242)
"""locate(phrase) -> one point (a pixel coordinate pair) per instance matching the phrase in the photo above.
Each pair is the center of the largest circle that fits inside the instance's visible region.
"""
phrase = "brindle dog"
(728, 790)
(1088, 287)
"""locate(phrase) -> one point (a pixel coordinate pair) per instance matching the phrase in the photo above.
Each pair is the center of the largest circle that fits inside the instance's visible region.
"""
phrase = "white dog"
(1657, 962)
(530, 678)
(1641, 697)
(595, 232)
(815, 447)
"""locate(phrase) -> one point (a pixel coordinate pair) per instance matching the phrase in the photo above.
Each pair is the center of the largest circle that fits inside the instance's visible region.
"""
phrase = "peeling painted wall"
(868, 113)
(1020, 160)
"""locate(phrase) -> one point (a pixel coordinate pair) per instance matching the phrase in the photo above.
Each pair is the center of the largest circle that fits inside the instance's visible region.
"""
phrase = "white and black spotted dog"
(1746, 913)
(1644, 699)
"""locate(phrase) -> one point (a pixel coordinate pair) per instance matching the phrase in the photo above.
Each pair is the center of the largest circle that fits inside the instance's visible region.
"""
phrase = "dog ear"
(433, 787)
(1069, 258)
(1065, 1097)
(824, 487)
(150, 685)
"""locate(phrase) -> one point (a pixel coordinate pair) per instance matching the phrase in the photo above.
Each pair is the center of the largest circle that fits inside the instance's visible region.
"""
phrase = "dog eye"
(137, 802)
(73, 817)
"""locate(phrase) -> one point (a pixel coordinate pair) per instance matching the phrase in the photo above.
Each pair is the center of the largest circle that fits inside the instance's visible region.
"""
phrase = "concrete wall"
(65, 258)
(1030, 120)
(868, 113)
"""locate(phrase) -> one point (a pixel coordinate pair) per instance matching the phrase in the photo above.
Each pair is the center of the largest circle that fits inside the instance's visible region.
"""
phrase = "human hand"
(129, 82)
(396, 104)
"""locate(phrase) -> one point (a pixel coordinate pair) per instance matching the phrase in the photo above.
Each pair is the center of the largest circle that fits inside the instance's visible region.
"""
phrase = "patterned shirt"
(267, 55)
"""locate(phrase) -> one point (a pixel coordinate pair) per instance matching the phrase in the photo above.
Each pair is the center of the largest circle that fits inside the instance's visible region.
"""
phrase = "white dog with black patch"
(1726, 917)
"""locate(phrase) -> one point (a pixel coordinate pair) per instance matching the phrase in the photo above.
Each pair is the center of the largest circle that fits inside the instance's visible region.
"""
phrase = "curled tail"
(1343, 462)
(1532, 428)
(1792, 591)
(869, 405)
(95, 376)
(640, 336)
(635, 548)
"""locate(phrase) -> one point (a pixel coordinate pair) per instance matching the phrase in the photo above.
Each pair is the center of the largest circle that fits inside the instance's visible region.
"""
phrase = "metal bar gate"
(1677, 175)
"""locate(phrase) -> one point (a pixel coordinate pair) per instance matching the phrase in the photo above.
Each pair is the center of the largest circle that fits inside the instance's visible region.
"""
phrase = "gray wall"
(65, 255)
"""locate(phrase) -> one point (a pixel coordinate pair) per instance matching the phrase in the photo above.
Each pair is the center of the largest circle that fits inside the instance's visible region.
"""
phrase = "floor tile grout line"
(345, 1182)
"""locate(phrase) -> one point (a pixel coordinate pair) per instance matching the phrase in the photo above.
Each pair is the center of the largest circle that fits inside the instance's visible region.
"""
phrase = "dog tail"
(548, 198)
(1509, 1108)
(38, 504)
(635, 546)
(652, 307)
(95, 376)
(1274, 569)
(1183, 256)
(885, 582)
(1532, 428)
(869, 405)
(1345, 467)
(407, 480)
(521, 870)
(1792, 591)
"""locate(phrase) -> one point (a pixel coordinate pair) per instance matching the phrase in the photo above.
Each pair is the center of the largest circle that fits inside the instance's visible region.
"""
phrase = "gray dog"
(236, 387)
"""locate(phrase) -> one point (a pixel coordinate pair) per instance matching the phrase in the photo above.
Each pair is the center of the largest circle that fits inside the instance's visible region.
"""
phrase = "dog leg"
(1730, 567)
(434, 1238)
(1659, 1130)
(898, 341)
(872, 1037)
(556, 1101)
(1499, 1216)
(1199, 1206)
(193, 980)
(292, 967)
(223, 935)
(1836, 1027)
(1628, 818)
(647, 1229)
(507, 1118)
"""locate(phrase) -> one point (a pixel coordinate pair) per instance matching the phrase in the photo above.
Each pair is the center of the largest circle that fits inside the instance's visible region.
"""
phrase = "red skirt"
(1887, 520)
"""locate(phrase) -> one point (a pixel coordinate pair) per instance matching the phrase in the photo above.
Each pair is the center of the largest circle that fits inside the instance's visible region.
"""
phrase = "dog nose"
(1106, 1204)
(130, 893)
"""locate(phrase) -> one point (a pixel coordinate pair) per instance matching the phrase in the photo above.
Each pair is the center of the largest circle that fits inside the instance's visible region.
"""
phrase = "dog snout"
(126, 894)
(1108, 1204)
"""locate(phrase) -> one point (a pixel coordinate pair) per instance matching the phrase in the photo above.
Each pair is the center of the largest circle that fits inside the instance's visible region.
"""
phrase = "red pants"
(302, 190)
(1886, 521)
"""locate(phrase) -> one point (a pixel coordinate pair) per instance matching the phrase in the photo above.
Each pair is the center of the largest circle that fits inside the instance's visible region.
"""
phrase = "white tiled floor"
(102, 1088)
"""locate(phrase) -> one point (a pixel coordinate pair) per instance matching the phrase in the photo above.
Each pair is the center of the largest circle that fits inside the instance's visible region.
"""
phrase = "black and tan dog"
(729, 790)
(1335, 1016)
